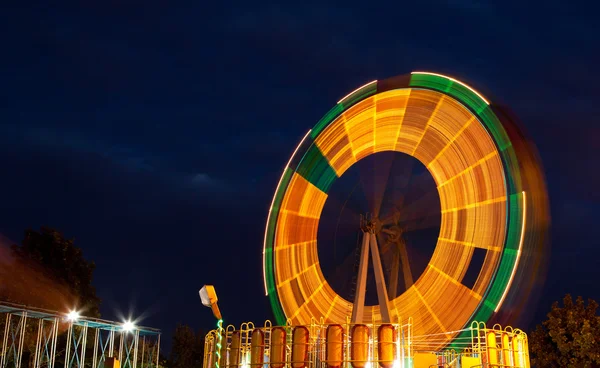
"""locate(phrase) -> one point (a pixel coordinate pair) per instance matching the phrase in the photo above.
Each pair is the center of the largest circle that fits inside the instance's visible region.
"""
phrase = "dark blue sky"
(154, 133)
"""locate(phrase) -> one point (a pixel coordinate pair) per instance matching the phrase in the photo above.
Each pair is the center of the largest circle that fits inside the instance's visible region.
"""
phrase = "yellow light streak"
(451, 142)
(331, 307)
(350, 140)
(292, 245)
(437, 107)
(298, 274)
(476, 204)
(514, 270)
(455, 282)
(472, 245)
(479, 162)
(307, 301)
(437, 320)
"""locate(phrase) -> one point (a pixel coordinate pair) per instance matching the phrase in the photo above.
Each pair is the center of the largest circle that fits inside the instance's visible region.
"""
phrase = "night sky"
(155, 132)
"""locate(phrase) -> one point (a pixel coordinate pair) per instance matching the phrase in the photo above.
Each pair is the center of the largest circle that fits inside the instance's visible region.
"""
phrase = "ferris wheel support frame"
(370, 241)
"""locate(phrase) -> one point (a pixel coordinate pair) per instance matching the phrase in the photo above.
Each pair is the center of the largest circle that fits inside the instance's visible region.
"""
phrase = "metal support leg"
(68, 347)
(95, 353)
(157, 350)
(22, 327)
(111, 339)
(393, 285)
(135, 348)
(38, 344)
(361, 283)
(5, 341)
(45, 347)
(384, 303)
(54, 337)
(83, 344)
(143, 350)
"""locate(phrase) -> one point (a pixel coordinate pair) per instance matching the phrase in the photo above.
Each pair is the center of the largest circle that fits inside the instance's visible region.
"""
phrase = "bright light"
(73, 316)
(128, 326)
(397, 364)
(245, 361)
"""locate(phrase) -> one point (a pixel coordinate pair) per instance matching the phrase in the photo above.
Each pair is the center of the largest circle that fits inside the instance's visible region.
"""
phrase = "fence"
(320, 345)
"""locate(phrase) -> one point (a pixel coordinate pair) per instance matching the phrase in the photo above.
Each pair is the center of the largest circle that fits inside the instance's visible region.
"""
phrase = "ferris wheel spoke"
(346, 266)
(408, 278)
(393, 283)
(428, 222)
(381, 177)
(393, 217)
(348, 203)
(425, 209)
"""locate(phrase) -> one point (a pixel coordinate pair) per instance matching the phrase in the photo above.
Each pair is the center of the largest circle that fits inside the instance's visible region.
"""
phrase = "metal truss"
(31, 337)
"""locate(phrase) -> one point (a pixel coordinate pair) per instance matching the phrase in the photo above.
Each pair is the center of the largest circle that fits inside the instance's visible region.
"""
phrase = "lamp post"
(208, 296)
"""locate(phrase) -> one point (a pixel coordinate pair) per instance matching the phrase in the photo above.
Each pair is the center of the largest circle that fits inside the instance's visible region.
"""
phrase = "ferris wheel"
(459, 137)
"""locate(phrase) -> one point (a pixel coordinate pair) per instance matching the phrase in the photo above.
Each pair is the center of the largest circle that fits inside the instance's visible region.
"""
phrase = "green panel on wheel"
(450, 87)
(325, 120)
(515, 220)
(315, 168)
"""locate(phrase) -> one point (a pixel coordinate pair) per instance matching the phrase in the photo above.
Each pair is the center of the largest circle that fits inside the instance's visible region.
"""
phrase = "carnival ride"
(492, 202)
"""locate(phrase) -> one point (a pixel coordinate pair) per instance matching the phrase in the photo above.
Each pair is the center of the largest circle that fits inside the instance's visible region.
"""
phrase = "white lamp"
(208, 295)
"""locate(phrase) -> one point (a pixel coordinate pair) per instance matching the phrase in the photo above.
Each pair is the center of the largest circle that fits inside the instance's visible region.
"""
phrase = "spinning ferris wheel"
(485, 210)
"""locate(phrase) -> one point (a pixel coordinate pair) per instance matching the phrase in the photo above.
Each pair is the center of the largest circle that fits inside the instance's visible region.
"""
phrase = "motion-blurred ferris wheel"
(488, 210)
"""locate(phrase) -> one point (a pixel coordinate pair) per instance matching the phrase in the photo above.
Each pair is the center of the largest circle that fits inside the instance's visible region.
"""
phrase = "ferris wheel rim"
(482, 110)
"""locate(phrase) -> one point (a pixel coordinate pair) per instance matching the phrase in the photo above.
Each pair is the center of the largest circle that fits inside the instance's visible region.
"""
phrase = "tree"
(64, 263)
(47, 271)
(187, 348)
(570, 337)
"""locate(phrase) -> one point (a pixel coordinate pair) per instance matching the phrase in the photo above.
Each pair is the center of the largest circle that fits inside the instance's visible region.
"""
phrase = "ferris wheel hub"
(370, 224)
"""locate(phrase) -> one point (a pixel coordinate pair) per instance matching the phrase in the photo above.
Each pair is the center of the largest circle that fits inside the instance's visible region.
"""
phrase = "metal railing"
(321, 345)
(39, 338)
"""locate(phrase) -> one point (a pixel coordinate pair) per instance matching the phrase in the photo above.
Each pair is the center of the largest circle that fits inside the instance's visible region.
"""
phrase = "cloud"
(203, 180)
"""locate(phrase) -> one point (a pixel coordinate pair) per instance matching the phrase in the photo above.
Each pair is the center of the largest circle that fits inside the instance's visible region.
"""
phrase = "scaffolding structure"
(38, 338)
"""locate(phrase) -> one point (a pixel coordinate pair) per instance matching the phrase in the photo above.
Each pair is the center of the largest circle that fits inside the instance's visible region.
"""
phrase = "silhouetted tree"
(62, 261)
(570, 337)
(48, 271)
(187, 348)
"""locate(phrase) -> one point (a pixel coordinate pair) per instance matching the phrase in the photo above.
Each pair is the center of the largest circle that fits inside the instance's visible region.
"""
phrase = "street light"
(128, 326)
(208, 295)
(73, 316)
